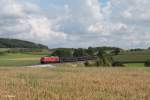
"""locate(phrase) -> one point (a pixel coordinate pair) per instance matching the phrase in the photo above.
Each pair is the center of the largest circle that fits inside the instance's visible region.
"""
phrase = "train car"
(68, 59)
(85, 58)
(81, 58)
(45, 60)
(91, 57)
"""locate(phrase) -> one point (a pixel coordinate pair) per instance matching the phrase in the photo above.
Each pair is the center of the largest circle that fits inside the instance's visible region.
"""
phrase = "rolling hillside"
(133, 56)
(15, 43)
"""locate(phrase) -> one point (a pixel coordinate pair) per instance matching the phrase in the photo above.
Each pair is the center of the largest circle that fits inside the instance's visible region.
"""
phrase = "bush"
(117, 64)
(87, 64)
(147, 63)
(97, 63)
(104, 58)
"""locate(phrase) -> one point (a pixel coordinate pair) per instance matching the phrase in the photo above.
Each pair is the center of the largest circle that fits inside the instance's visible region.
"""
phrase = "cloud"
(25, 21)
(79, 23)
(126, 21)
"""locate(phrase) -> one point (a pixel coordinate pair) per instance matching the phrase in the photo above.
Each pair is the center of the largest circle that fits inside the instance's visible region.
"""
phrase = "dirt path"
(42, 66)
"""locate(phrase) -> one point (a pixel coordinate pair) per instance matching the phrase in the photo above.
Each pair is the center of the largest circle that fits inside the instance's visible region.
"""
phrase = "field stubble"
(74, 84)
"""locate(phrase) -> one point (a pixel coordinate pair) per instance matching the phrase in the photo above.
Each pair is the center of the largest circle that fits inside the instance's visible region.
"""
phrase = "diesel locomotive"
(55, 59)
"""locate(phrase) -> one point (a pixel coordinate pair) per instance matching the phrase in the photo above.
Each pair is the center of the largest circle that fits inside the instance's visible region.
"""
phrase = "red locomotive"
(45, 60)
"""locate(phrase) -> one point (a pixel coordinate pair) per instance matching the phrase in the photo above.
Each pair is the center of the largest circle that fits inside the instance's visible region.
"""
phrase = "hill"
(15, 43)
(133, 56)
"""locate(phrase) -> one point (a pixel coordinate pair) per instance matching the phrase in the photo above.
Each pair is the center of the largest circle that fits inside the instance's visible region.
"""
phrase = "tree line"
(70, 52)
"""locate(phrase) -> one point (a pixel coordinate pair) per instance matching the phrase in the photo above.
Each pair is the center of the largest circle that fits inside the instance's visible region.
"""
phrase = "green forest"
(15, 43)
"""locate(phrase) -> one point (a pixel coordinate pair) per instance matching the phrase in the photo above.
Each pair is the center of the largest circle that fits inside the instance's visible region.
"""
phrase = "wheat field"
(74, 83)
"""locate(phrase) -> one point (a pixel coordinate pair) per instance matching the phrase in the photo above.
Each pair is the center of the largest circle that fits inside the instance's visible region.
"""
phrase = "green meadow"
(19, 59)
(133, 58)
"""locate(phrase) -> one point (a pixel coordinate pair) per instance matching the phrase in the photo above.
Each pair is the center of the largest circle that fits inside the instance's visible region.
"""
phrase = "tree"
(62, 53)
(116, 51)
(101, 53)
(103, 58)
(147, 63)
(79, 52)
(99, 62)
(90, 51)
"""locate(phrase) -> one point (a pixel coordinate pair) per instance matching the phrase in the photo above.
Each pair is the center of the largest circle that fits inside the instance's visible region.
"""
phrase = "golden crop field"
(74, 83)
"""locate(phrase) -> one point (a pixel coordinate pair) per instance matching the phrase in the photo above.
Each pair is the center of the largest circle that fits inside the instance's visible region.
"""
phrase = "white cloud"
(10, 8)
(78, 23)
(24, 21)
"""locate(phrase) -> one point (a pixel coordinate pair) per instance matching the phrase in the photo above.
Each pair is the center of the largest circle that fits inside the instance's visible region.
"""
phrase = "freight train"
(55, 59)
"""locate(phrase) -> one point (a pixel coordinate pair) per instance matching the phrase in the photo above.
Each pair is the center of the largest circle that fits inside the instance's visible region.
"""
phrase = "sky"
(77, 23)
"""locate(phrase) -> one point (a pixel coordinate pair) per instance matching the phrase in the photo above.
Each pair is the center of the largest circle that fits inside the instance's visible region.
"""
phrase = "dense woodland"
(15, 43)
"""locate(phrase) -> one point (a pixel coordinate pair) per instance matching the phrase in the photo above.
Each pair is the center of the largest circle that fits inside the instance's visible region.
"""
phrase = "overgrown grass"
(65, 83)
